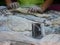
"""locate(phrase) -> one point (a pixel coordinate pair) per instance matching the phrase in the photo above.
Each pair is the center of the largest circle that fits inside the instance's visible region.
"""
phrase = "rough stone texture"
(16, 38)
(13, 43)
(52, 39)
(5, 43)
(14, 23)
